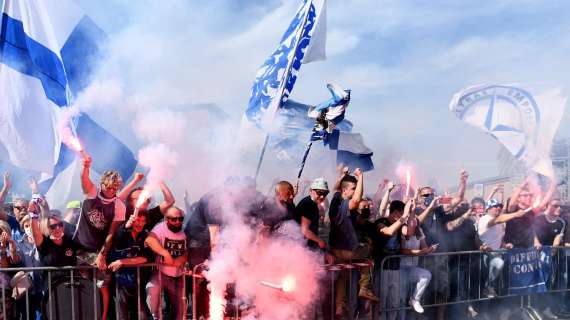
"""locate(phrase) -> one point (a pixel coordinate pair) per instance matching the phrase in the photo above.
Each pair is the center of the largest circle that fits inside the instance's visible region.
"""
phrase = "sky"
(403, 61)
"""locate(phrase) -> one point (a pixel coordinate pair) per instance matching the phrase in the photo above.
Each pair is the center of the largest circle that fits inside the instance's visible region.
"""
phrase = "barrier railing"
(455, 278)
(464, 277)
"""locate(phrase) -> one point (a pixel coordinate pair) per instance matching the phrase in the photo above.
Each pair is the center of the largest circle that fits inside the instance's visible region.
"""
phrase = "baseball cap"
(320, 184)
(493, 203)
(75, 204)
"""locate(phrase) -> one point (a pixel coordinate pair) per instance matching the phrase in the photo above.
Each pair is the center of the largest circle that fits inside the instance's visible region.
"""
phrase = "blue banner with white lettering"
(529, 270)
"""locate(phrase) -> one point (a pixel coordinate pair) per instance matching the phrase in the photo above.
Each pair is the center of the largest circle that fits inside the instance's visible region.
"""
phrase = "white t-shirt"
(412, 243)
(174, 243)
(492, 236)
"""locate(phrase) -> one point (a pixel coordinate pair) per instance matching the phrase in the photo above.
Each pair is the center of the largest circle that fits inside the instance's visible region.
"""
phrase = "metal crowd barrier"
(79, 284)
(466, 274)
(462, 273)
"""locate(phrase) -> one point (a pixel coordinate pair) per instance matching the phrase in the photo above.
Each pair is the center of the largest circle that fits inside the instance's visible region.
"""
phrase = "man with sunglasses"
(436, 220)
(168, 241)
(307, 213)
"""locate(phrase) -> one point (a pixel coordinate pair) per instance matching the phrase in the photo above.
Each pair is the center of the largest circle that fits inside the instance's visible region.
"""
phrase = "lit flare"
(408, 182)
(288, 284)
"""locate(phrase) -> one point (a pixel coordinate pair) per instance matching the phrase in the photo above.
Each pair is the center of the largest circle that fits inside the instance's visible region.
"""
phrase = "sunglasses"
(174, 219)
(55, 226)
(321, 193)
(21, 208)
(426, 195)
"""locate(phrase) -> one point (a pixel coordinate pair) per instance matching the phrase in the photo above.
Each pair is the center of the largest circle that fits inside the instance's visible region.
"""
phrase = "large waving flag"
(524, 123)
(303, 42)
(47, 52)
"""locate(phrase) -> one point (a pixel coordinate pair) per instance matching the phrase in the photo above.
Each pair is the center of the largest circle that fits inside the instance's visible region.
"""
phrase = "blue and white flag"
(292, 130)
(48, 49)
(524, 123)
(529, 270)
(303, 42)
(350, 150)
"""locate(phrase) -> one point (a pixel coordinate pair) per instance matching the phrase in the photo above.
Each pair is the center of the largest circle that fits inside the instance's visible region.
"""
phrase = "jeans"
(495, 263)
(173, 288)
(418, 276)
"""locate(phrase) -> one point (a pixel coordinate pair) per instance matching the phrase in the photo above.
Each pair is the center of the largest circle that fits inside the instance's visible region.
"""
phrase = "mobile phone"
(445, 200)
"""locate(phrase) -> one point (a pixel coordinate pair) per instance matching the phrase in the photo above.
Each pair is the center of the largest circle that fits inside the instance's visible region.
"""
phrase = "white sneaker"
(417, 306)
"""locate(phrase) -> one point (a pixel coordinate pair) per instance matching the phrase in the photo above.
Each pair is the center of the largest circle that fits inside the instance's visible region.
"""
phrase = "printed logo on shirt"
(68, 252)
(176, 248)
(97, 219)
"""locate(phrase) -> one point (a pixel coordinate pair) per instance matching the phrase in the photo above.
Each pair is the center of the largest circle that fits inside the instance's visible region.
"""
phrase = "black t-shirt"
(385, 246)
(273, 212)
(53, 255)
(464, 237)
(434, 228)
(309, 209)
(519, 231)
(546, 231)
(125, 246)
(209, 210)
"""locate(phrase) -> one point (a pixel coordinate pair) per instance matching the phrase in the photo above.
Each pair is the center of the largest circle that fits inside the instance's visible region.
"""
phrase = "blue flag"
(529, 269)
(48, 50)
(303, 42)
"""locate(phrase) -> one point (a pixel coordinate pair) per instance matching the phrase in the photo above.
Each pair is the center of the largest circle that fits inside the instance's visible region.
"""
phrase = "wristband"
(33, 215)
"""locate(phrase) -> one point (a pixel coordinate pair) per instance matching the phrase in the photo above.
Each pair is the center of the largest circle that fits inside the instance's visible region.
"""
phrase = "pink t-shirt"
(174, 243)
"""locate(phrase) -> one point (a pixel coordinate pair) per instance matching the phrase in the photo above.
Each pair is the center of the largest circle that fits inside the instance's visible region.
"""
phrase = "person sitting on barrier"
(127, 251)
(168, 241)
(343, 239)
(387, 268)
(130, 194)
(434, 218)
(414, 244)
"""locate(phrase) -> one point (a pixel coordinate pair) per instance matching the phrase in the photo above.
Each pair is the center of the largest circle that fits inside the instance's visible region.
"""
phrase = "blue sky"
(403, 60)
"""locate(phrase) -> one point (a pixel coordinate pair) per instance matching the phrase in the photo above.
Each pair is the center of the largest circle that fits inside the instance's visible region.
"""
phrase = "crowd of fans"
(410, 236)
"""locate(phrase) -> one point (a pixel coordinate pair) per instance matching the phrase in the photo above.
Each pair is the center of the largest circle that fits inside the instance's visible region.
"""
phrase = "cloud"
(340, 41)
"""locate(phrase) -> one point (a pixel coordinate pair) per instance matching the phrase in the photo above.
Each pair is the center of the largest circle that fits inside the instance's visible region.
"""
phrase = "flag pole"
(282, 87)
(302, 165)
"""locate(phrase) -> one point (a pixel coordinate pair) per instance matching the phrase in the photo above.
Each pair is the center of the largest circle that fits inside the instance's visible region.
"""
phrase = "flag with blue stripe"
(48, 50)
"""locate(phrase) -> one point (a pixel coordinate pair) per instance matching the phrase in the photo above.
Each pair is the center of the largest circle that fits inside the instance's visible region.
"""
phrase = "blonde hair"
(5, 227)
(111, 178)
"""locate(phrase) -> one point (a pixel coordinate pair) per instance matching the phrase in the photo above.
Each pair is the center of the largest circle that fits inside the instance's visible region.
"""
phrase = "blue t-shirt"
(342, 234)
